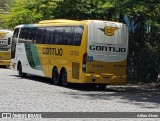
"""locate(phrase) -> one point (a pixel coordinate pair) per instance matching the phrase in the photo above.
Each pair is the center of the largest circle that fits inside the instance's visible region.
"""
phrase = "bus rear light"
(84, 61)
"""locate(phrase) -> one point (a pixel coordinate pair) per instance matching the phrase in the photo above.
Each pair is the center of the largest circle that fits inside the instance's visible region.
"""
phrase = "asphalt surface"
(37, 94)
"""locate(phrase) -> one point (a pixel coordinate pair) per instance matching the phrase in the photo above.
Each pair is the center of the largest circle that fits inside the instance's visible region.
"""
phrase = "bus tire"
(55, 76)
(63, 77)
(21, 74)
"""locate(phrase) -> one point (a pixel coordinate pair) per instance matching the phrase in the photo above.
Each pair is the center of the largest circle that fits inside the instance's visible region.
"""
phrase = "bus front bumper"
(4, 62)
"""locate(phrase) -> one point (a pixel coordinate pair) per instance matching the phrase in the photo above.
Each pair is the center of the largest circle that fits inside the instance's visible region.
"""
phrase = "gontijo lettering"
(107, 49)
(53, 51)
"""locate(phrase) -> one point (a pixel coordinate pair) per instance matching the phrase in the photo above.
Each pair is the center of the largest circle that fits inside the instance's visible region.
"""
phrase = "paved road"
(37, 94)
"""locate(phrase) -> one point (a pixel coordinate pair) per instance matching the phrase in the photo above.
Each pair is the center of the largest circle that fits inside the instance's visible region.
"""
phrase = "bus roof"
(60, 21)
(6, 30)
(57, 21)
(71, 21)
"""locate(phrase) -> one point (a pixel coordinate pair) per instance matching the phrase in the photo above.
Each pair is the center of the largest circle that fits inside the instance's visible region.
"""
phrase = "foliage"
(29, 11)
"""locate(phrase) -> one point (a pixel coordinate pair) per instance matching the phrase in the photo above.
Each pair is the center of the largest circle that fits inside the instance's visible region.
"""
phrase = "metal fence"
(143, 67)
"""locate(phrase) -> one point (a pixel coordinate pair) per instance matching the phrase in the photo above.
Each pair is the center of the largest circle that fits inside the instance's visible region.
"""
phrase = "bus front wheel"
(21, 74)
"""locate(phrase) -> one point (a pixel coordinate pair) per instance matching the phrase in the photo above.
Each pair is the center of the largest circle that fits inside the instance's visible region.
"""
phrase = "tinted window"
(15, 35)
(40, 35)
(32, 34)
(71, 35)
(59, 35)
(53, 32)
(24, 33)
(68, 36)
(78, 32)
(48, 36)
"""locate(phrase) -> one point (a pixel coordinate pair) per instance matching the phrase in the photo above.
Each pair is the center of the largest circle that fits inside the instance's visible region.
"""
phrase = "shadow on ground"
(143, 96)
(139, 94)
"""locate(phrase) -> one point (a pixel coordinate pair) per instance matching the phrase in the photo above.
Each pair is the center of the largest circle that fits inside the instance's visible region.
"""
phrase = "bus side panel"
(28, 56)
(59, 56)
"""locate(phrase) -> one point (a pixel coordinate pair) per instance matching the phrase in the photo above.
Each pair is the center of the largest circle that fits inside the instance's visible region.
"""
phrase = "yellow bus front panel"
(4, 58)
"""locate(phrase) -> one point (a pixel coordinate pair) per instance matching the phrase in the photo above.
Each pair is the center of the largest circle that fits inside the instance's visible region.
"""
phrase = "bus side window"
(78, 31)
(47, 39)
(40, 36)
(44, 36)
(68, 36)
(32, 34)
(23, 35)
(59, 35)
(77, 39)
(53, 32)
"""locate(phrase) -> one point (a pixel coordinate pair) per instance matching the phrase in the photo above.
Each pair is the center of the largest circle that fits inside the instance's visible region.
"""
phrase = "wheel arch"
(63, 68)
(54, 68)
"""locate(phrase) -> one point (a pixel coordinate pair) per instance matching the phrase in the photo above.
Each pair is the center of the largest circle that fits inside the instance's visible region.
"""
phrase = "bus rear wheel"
(55, 77)
(21, 74)
(63, 78)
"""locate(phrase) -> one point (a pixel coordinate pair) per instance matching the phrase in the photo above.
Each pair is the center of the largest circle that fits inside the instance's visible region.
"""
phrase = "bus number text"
(74, 53)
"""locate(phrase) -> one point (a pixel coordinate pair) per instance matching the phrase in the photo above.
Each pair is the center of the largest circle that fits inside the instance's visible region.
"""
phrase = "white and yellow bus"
(67, 51)
(5, 47)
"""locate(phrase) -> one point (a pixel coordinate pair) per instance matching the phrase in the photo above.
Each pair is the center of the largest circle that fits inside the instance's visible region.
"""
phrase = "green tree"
(82, 9)
(5, 5)
(29, 11)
